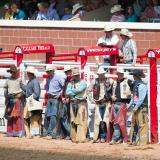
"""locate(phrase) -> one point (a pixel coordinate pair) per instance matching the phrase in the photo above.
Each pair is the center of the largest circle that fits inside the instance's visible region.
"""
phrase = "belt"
(52, 96)
(142, 107)
(78, 100)
(17, 95)
(102, 101)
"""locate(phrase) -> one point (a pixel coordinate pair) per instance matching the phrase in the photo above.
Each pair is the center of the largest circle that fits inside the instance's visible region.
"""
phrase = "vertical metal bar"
(149, 122)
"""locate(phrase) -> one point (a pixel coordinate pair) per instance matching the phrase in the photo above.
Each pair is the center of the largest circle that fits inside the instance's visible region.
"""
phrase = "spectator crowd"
(121, 11)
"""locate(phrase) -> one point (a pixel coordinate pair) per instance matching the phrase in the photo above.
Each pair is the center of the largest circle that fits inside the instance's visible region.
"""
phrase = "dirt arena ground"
(41, 149)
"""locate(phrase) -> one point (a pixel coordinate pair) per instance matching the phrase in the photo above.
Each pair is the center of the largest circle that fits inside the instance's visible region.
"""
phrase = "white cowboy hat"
(101, 70)
(75, 72)
(67, 68)
(49, 68)
(116, 8)
(120, 70)
(108, 28)
(31, 69)
(6, 6)
(76, 7)
(126, 32)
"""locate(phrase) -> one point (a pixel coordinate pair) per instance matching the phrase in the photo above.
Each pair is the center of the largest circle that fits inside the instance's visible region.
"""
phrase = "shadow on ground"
(13, 154)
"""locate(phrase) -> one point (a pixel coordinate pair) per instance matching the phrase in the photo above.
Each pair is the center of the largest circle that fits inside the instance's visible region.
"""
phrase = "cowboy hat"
(120, 70)
(116, 8)
(6, 6)
(76, 7)
(108, 29)
(49, 68)
(75, 72)
(31, 69)
(126, 32)
(101, 70)
(138, 73)
(12, 68)
(67, 68)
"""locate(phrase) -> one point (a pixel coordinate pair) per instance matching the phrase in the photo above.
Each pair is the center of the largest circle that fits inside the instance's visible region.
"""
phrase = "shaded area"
(13, 154)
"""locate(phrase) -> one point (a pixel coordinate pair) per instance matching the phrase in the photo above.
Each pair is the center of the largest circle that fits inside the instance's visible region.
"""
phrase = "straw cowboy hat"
(101, 70)
(108, 28)
(31, 69)
(138, 73)
(126, 32)
(116, 8)
(49, 68)
(76, 7)
(67, 68)
(75, 72)
(120, 70)
(12, 68)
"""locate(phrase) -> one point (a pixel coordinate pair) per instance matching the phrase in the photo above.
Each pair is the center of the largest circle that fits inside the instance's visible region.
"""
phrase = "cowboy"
(99, 93)
(76, 90)
(54, 91)
(121, 92)
(128, 48)
(32, 119)
(139, 105)
(14, 101)
(110, 39)
(65, 116)
(50, 72)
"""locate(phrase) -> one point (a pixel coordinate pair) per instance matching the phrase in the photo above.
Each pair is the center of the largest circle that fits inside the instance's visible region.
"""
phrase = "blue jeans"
(129, 62)
(52, 107)
(51, 117)
(65, 119)
(117, 135)
(50, 124)
(102, 126)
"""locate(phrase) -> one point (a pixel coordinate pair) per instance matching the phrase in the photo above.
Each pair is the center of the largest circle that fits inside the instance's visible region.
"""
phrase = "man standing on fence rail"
(76, 90)
(55, 85)
(14, 100)
(139, 105)
(110, 39)
(128, 49)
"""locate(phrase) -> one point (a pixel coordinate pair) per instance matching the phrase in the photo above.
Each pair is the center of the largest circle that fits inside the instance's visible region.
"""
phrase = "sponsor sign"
(34, 48)
(95, 51)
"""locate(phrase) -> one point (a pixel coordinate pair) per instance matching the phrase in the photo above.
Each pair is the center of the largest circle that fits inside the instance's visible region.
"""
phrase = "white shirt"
(108, 41)
(157, 9)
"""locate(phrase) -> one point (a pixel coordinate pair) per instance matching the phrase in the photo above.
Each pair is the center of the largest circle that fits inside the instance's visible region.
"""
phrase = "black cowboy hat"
(12, 68)
(138, 73)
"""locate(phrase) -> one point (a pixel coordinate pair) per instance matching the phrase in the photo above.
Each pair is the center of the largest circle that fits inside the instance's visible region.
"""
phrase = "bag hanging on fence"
(33, 104)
